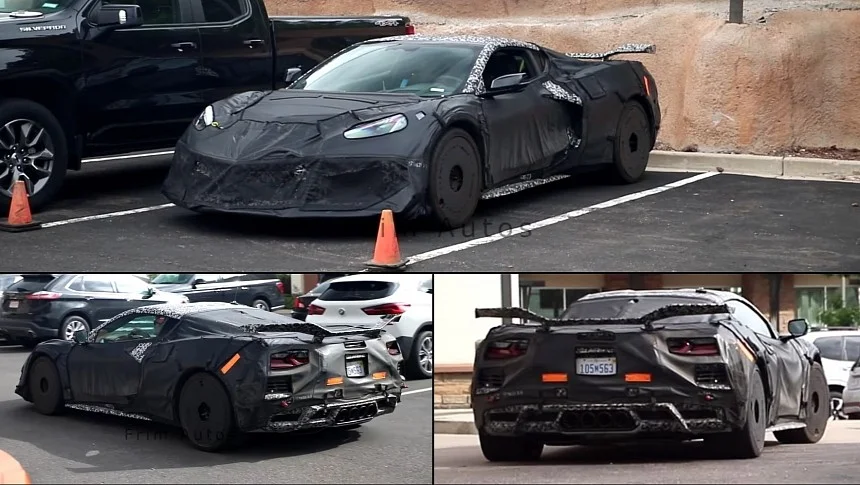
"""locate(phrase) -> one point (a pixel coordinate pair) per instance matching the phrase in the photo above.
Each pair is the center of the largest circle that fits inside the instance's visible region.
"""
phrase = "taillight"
(297, 304)
(387, 309)
(44, 295)
(280, 285)
(315, 310)
(506, 349)
(693, 346)
(410, 29)
(393, 348)
(288, 360)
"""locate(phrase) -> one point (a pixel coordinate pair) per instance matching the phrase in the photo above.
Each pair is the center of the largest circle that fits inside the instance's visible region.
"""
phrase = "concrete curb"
(11, 471)
(454, 427)
(795, 167)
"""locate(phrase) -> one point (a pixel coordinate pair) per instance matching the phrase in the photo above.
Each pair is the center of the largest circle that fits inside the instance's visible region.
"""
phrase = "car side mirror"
(149, 293)
(798, 327)
(292, 74)
(81, 337)
(196, 282)
(117, 16)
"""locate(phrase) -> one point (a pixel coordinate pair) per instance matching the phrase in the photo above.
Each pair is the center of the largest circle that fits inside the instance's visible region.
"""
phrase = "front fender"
(58, 352)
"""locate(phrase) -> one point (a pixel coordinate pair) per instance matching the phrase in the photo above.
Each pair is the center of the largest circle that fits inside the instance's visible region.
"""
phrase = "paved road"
(82, 448)
(458, 459)
(667, 222)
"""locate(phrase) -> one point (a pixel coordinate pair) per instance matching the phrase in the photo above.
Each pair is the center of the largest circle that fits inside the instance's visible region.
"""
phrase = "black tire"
(746, 442)
(262, 304)
(504, 448)
(633, 143)
(206, 413)
(834, 413)
(455, 179)
(854, 416)
(817, 412)
(46, 390)
(413, 368)
(22, 109)
(72, 322)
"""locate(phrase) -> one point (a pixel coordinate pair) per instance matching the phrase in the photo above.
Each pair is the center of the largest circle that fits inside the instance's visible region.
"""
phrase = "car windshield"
(424, 69)
(172, 279)
(46, 7)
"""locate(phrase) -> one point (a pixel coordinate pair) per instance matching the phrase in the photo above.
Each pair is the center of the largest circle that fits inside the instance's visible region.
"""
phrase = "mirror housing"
(198, 281)
(149, 293)
(798, 327)
(509, 83)
(116, 16)
(81, 337)
(292, 74)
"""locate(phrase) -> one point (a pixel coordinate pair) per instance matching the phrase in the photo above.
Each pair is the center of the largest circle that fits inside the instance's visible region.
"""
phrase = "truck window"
(222, 10)
(155, 12)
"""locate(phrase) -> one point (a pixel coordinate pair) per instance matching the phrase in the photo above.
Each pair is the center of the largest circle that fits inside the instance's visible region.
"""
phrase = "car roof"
(387, 277)
(179, 310)
(717, 296)
(457, 39)
(831, 333)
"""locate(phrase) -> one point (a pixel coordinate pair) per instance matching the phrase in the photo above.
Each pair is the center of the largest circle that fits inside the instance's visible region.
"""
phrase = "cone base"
(376, 265)
(6, 227)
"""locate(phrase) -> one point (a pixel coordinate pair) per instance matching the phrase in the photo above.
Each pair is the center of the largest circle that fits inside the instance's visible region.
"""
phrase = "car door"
(107, 369)
(236, 47)
(528, 128)
(831, 348)
(787, 373)
(206, 287)
(235, 288)
(141, 87)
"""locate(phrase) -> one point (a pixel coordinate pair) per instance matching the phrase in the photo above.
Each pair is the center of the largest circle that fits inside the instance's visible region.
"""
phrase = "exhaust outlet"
(604, 419)
(589, 420)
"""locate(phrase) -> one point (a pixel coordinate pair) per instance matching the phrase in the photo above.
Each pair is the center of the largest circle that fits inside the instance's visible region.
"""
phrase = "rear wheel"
(836, 404)
(261, 304)
(45, 388)
(504, 448)
(455, 179)
(633, 143)
(747, 442)
(420, 363)
(72, 324)
(817, 411)
(206, 413)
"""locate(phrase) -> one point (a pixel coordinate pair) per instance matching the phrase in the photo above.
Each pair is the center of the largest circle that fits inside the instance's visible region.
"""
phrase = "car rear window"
(358, 290)
(852, 348)
(830, 347)
(31, 283)
(634, 307)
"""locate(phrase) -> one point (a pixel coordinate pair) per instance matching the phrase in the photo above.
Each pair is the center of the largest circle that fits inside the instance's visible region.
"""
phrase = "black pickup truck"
(263, 291)
(92, 78)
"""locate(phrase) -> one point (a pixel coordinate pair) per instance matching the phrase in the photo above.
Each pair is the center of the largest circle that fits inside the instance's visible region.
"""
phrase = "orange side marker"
(386, 255)
(637, 377)
(20, 218)
(11, 471)
(230, 363)
(554, 377)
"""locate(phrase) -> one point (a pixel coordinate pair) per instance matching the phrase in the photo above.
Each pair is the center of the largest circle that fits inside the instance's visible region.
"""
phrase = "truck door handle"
(253, 42)
(184, 45)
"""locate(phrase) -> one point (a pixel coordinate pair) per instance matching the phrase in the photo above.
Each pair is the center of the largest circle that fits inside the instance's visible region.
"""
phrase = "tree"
(775, 284)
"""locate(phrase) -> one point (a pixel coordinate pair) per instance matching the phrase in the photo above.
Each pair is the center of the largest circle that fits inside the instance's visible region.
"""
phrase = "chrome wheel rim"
(262, 305)
(26, 153)
(73, 327)
(425, 355)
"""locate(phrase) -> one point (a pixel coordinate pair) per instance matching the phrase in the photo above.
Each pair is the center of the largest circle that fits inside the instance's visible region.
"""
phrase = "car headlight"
(385, 126)
(206, 118)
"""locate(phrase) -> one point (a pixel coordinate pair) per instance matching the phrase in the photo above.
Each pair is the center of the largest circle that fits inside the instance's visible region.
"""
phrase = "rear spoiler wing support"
(623, 49)
(320, 333)
(646, 321)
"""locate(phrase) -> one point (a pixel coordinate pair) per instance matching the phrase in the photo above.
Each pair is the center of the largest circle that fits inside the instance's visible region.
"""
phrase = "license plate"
(355, 369)
(13, 303)
(598, 366)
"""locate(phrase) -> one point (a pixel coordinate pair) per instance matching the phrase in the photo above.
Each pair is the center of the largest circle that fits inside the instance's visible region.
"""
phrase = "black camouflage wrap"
(145, 378)
(687, 396)
(283, 154)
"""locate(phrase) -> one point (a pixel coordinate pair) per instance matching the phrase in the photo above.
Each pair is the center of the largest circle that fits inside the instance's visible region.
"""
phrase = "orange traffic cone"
(20, 217)
(387, 252)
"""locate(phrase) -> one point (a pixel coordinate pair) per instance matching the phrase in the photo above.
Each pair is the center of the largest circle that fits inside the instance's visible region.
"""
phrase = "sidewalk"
(461, 421)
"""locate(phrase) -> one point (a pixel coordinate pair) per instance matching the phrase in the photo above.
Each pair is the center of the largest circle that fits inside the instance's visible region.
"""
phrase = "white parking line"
(554, 220)
(107, 216)
(125, 157)
(416, 391)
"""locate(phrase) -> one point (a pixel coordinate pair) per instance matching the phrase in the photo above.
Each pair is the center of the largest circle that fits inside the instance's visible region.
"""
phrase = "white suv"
(839, 350)
(368, 297)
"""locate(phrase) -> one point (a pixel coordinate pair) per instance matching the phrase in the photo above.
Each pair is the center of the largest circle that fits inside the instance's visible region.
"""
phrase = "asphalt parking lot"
(112, 217)
(86, 448)
(458, 459)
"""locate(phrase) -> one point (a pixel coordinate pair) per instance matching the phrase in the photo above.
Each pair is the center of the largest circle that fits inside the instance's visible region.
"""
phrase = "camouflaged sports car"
(217, 370)
(664, 364)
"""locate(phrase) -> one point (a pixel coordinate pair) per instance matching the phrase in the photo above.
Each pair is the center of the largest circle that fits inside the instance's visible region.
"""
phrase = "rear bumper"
(14, 328)
(286, 417)
(605, 421)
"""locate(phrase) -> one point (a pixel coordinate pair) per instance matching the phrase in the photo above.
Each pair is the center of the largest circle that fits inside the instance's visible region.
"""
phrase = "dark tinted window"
(31, 283)
(623, 307)
(133, 327)
(426, 285)
(257, 276)
(358, 290)
(222, 10)
(750, 318)
(96, 284)
(852, 348)
(320, 288)
(830, 347)
(154, 12)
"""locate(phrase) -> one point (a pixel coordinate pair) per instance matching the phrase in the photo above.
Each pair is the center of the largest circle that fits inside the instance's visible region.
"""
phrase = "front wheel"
(504, 448)
(46, 390)
(455, 179)
(33, 148)
(633, 143)
(817, 412)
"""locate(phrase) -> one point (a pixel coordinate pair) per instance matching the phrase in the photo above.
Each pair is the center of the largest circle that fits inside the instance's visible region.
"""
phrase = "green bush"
(838, 315)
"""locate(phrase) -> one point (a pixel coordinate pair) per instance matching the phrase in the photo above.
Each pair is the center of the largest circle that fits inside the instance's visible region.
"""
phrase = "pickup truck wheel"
(45, 388)
(33, 148)
(505, 448)
(817, 412)
(206, 413)
(261, 304)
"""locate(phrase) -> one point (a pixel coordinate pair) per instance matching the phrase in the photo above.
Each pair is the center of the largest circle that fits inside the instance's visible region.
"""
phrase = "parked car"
(45, 306)
(301, 303)
(89, 78)
(851, 395)
(254, 371)
(366, 298)
(7, 279)
(260, 290)
(622, 365)
(839, 350)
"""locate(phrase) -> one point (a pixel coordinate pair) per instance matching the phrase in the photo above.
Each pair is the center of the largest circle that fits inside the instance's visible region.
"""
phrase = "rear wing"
(646, 321)
(318, 332)
(623, 49)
